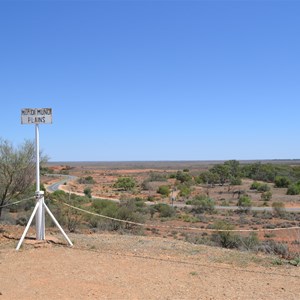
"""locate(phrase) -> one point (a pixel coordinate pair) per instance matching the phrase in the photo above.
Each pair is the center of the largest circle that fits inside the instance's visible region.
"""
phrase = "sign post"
(38, 116)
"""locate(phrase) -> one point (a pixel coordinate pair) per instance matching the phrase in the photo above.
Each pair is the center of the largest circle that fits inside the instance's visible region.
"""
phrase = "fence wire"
(176, 227)
(17, 202)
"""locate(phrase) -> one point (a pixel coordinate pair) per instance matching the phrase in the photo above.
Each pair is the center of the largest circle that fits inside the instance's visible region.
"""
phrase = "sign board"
(36, 116)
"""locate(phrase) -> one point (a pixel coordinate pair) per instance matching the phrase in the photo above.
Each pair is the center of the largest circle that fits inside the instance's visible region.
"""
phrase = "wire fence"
(158, 225)
(16, 202)
(285, 235)
(177, 227)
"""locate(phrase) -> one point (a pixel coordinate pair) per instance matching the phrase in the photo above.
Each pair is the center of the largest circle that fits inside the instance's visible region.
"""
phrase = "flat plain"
(159, 262)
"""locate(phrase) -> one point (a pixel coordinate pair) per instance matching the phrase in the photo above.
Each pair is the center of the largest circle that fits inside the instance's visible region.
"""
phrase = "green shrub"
(165, 210)
(102, 206)
(128, 214)
(164, 190)
(224, 238)
(13, 209)
(59, 195)
(203, 203)
(88, 192)
(249, 242)
(207, 177)
(86, 180)
(22, 221)
(295, 262)
(189, 218)
(235, 181)
(93, 221)
(154, 176)
(282, 182)
(263, 188)
(255, 185)
(128, 210)
(266, 196)
(259, 171)
(185, 190)
(183, 177)
(272, 247)
(125, 183)
(279, 208)
(151, 198)
(223, 172)
(29, 204)
(293, 189)
(244, 203)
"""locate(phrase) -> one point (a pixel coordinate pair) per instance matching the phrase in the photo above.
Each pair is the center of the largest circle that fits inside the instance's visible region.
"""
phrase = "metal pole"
(40, 216)
(40, 206)
(37, 155)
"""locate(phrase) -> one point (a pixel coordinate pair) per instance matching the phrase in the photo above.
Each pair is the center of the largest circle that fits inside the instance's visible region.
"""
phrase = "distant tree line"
(231, 172)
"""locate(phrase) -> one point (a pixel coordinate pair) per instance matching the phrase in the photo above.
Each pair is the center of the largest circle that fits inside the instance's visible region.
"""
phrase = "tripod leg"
(28, 225)
(57, 224)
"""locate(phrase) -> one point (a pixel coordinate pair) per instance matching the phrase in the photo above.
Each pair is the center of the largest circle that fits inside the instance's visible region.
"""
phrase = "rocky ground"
(108, 266)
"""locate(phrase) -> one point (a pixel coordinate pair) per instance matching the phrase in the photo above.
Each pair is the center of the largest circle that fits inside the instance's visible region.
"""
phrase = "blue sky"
(153, 80)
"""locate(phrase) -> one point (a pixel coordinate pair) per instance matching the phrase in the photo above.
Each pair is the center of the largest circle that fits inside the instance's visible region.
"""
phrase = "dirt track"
(131, 267)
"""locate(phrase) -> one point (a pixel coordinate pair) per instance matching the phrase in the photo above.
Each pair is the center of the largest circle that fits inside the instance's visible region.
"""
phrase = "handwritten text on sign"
(36, 116)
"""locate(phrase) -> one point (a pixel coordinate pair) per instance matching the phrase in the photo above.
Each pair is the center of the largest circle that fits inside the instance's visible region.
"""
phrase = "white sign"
(36, 116)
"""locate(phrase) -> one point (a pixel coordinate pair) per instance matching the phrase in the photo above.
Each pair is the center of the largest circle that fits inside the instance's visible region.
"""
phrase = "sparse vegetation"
(202, 189)
(86, 180)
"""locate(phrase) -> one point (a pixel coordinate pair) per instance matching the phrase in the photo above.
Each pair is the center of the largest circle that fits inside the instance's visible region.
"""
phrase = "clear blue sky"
(153, 80)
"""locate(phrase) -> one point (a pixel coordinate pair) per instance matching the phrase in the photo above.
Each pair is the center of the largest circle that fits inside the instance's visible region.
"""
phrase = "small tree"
(183, 177)
(208, 177)
(223, 171)
(88, 192)
(17, 170)
(234, 168)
